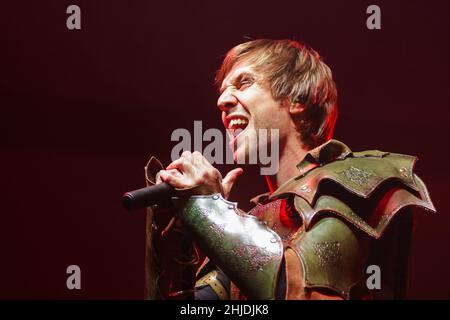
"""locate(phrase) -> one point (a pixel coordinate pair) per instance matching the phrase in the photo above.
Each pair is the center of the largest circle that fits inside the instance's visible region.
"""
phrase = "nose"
(226, 100)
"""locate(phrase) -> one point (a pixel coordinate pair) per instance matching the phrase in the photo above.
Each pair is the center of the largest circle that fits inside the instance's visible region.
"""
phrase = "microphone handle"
(148, 196)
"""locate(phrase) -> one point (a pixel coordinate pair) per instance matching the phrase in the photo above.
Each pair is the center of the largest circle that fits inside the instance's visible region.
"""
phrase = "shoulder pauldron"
(362, 191)
(377, 183)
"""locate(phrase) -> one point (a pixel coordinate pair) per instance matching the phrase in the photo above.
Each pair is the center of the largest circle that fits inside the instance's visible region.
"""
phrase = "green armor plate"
(333, 247)
(247, 251)
(333, 255)
(359, 174)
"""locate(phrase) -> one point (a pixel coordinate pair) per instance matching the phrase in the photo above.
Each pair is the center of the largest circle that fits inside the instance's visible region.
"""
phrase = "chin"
(243, 155)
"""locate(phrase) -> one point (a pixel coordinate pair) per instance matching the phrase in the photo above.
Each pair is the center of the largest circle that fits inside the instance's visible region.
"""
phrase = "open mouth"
(235, 124)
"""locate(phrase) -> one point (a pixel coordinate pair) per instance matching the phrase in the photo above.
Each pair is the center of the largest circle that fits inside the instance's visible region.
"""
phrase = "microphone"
(145, 197)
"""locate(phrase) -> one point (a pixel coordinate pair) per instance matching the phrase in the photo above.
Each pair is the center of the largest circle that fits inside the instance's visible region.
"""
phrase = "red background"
(82, 111)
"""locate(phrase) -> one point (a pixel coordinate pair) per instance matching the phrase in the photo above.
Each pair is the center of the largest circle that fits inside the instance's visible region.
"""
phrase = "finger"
(185, 154)
(158, 178)
(200, 161)
(172, 178)
(181, 164)
(173, 171)
(230, 179)
(203, 165)
(197, 166)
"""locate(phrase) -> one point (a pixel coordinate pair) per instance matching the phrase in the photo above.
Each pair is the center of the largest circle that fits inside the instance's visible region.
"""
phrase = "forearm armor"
(247, 251)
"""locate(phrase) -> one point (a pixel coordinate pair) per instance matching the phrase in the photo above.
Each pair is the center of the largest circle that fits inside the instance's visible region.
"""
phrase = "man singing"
(332, 217)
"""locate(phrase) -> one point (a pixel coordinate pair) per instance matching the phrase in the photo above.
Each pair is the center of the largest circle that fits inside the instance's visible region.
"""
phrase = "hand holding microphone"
(191, 174)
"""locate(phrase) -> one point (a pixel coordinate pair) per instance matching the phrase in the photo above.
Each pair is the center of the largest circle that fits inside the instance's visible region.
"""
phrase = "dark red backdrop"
(83, 110)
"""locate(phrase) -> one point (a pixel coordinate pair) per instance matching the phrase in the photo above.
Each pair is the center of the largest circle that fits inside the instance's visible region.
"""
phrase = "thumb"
(229, 180)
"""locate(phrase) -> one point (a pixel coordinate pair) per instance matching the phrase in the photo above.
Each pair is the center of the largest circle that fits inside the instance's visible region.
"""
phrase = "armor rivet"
(403, 172)
(230, 207)
(305, 189)
(273, 240)
(215, 197)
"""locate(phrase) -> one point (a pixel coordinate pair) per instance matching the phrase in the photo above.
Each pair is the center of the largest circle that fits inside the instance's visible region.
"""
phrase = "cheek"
(264, 110)
(276, 118)
(252, 97)
(247, 102)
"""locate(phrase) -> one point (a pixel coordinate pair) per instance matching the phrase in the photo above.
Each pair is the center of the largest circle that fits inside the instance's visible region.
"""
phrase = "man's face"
(247, 105)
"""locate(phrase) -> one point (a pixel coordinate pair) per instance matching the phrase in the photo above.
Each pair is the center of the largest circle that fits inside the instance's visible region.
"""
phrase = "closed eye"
(244, 82)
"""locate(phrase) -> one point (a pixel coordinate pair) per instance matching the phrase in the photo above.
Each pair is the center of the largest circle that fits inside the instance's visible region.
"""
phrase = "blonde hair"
(295, 72)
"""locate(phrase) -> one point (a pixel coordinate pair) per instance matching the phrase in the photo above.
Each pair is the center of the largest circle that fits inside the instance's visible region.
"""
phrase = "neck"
(290, 155)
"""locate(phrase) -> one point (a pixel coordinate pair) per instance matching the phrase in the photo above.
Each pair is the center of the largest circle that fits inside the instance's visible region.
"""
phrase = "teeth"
(235, 122)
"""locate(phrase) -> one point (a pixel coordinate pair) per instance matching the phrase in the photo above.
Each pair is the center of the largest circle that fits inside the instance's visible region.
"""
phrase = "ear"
(295, 108)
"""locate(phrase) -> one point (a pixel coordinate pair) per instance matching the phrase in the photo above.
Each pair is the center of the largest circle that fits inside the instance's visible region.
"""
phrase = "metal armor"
(317, 233)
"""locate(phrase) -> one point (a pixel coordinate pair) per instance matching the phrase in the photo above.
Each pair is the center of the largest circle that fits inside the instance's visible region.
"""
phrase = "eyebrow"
(238, 78)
